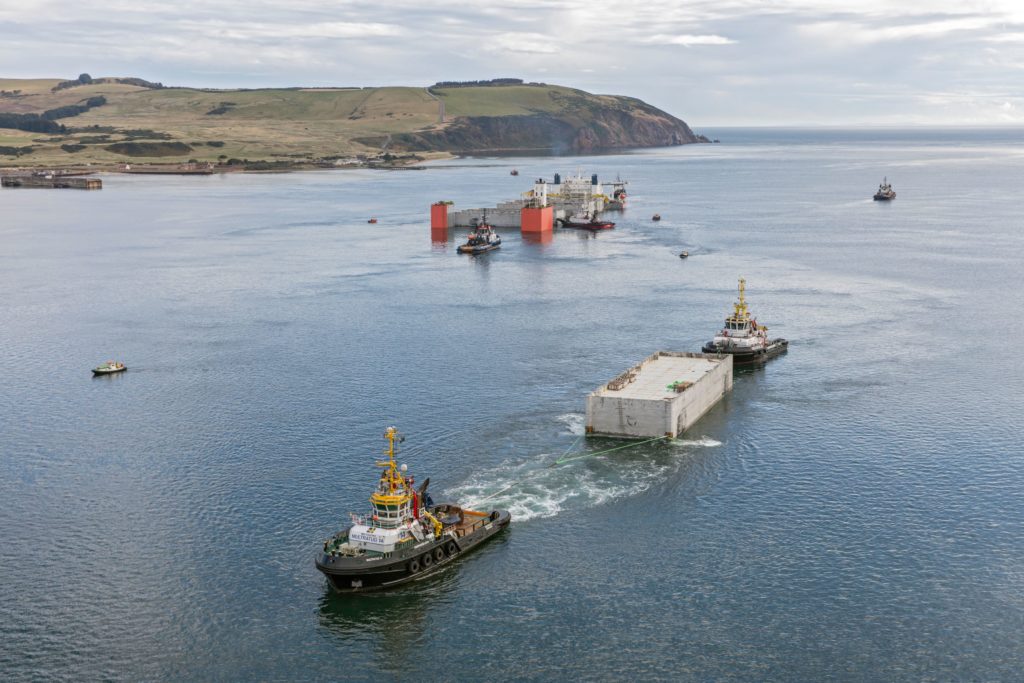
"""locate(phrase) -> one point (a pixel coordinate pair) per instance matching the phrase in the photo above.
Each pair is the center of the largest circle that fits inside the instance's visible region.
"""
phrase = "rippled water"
(853, 511)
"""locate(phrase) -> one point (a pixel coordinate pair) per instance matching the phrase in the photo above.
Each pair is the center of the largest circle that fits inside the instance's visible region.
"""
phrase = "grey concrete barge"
(664, 395)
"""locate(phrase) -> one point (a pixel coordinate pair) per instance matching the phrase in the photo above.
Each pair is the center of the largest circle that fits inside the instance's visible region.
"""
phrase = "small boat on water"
(405, 537)
(742, 337)
(109, 368)
(372, 220)
(684, 254)
(482, 239)
(885, 192)
(588, 225)
(656, 217)
(586, 221)
(513, 172)
(618, 200)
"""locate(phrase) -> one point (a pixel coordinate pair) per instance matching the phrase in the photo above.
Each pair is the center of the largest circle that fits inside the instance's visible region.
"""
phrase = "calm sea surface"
(853, 511)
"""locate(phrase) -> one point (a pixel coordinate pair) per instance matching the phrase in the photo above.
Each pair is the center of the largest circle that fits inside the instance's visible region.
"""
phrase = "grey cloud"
(710, 62)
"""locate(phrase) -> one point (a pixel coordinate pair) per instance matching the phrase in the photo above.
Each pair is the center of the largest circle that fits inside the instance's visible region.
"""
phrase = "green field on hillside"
(273, 124)
(294, 125)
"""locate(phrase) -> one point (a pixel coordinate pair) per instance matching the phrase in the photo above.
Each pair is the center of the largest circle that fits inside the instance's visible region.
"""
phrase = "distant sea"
(853, 511)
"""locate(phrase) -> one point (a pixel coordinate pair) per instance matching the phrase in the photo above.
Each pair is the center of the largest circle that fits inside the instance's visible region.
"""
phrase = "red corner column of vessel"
(439, 222)
(537, 223)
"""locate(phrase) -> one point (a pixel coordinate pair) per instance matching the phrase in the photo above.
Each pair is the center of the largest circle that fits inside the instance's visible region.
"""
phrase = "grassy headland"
(110, 121)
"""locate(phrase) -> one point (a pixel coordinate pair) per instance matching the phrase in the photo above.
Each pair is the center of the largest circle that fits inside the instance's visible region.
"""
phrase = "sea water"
(852, 511)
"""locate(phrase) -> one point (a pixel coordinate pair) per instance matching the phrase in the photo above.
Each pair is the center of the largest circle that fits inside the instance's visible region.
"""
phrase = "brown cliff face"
(588, 125)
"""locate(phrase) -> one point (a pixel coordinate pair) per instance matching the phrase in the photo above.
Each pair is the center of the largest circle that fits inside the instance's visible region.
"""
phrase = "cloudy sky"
(719, 62)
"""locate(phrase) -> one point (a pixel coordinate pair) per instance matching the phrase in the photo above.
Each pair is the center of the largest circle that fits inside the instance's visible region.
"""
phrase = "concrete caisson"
(662, 396)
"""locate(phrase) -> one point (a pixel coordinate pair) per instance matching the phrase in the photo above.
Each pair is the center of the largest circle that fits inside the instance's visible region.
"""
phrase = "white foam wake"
(533, 489)
(704, 441)
(574, 422)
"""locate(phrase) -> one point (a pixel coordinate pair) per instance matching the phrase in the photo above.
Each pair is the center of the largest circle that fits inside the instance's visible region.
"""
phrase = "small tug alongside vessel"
(406, 537)
(482, 239)
(885, 192)
(109, 368)
(586, 222)
(743, 339)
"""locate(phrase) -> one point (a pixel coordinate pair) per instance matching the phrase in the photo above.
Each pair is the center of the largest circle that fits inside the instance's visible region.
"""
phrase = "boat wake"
(538, 487)
(575, 422)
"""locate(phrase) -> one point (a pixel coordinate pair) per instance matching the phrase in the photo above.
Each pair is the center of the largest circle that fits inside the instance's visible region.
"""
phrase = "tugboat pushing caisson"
(405, 537)
(743, 339)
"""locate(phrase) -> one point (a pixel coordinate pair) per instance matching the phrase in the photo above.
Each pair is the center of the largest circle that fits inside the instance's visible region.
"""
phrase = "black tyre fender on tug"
(427, 560)
(451, 548)
(438, 554)
(414, 566)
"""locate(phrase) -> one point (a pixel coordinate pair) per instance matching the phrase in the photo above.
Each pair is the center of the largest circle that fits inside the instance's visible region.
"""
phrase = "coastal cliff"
(583, 123)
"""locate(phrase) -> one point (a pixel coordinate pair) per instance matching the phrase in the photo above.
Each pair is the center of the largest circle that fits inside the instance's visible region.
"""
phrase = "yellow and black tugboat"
(405, 536)
(743, 339)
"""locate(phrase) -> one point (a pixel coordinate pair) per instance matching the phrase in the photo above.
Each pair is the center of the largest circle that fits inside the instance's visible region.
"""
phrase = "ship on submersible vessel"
(406, 536)
(743, 339)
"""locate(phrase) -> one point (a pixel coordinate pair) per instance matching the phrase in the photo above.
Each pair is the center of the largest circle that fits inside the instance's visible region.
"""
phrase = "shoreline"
(404, 163)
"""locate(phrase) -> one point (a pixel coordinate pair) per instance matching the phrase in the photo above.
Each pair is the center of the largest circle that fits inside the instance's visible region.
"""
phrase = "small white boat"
(109, 368)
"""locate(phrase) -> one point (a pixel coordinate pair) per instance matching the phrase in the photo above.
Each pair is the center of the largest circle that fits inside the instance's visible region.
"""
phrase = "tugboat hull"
(478, 249)
(108, 371)
(745, 357)
(361, 574)
(599, 225)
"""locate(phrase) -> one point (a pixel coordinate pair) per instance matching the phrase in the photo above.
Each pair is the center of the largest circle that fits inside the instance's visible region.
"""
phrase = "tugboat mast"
(392, 500)
(392, 478)
(740, 312)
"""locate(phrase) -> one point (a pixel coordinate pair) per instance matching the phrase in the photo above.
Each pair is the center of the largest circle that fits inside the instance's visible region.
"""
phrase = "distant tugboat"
(656, 217)
(618, 200)
(586, 222)
(592, 224)
(109, 368)
(482, 239)
(885, 192)
(406, 537)
(372, 220)
(742, 338)
(513, 172)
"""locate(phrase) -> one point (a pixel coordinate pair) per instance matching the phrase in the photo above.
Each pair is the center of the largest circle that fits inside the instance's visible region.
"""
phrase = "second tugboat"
(885, 192)
(482, 239)
(406, 536)
(743, 339)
